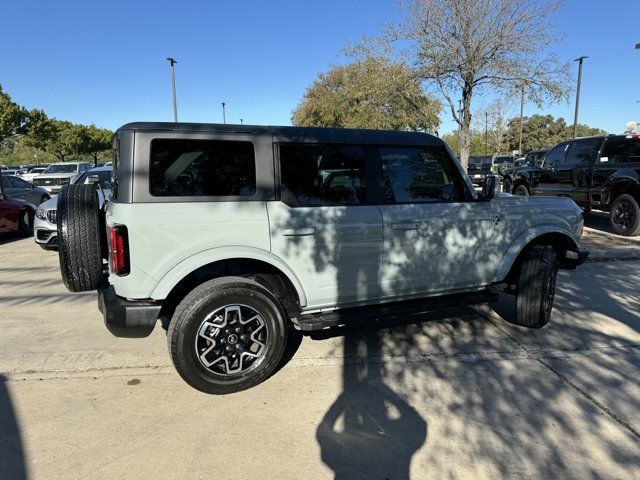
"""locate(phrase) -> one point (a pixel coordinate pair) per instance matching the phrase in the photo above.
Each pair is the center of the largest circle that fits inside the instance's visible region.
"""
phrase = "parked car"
(34, 172)
(533, 159)
(478, 169)
(16, 214)
(15, 187)
(15, 172)
(600, 173)
(58, 174)
(45, 230)
(235, 234)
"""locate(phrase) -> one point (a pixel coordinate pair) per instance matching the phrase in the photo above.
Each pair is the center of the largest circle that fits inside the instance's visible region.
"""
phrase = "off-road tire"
(536, 286)
(521, 190)
(630, 226)
(207, 298)
(503, 168)
(79, 238)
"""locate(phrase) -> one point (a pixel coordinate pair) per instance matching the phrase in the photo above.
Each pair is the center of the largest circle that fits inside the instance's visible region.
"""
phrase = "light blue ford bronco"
(232, 235)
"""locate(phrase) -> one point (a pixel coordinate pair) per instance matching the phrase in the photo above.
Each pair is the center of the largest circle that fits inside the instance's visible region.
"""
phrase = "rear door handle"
(292, 232)
(404, 226)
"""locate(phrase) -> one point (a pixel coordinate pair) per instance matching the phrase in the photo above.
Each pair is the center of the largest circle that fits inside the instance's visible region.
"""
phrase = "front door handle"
(298, 232)
(404, 226)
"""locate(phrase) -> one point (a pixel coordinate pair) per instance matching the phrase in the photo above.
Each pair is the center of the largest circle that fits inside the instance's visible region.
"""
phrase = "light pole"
(486, 134)
(224, 114)
(575, 118)
(521, 118)
(172, 62)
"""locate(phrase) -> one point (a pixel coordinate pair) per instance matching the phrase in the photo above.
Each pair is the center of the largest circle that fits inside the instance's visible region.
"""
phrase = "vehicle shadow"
(11, 237)
(12, 459)
(598, 221)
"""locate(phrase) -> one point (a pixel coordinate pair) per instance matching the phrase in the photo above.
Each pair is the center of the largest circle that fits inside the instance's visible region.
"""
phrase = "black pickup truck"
(601, 173)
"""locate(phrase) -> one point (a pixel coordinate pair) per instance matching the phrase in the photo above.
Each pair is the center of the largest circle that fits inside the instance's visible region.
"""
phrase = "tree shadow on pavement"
(12, 460)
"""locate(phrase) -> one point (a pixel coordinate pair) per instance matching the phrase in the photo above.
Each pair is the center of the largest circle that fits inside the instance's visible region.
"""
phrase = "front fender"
(625, 177)
(206, 257)
(524, 239)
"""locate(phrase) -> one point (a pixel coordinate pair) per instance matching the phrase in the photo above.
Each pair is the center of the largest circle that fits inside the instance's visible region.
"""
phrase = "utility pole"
(575, 118)
(521, 118)
(224, 113)
(459, 129)
(172, 62)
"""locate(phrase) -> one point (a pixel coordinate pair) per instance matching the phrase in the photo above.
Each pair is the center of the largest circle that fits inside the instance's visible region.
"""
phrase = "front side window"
(322, 174)
(557, 154)
(624, 150)
(419, 174)
(202, 168)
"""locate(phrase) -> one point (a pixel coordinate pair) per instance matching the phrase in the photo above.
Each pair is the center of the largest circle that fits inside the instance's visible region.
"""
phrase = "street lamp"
(521, 118)
(575, 118)
(224, 114)
(172, 62)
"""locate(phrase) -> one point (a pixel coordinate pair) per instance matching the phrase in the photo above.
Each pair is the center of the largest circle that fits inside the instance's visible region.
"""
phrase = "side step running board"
(386, 311)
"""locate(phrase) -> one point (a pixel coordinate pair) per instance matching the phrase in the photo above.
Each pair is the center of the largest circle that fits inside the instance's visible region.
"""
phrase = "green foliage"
(477, 145)
(12, 116)
(369, 93)
(32, 137)
(544, 131)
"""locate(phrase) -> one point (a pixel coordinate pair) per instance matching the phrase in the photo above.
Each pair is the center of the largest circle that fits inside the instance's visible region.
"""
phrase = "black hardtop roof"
(284, 134)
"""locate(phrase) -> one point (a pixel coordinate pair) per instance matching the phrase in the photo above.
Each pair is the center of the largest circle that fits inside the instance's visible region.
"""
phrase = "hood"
(56, 175)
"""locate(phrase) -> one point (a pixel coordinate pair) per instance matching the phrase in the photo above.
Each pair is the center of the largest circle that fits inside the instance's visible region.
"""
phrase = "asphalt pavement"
(451, 394)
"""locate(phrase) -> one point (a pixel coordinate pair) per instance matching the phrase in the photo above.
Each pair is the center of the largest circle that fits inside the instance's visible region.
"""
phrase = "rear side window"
(322, 174)
(623, 150)
(584, 151)
(419, 174)
(202, 168)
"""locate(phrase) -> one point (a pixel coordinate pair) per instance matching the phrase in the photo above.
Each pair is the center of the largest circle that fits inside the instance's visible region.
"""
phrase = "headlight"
(41, 214)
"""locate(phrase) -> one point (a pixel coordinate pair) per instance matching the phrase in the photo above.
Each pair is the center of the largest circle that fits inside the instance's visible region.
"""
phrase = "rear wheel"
(79, 238)
(25, 222)
(536, 287)
(227, 335)
(521, 190)
(625, 216)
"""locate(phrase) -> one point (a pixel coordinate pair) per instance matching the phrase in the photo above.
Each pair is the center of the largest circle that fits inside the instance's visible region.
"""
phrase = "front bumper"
(127, 318)
(574, 258)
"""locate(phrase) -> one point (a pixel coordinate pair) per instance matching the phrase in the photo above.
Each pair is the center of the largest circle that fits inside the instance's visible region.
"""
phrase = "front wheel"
(521, 190)
(227, 335)
(536, 287)
(625, 216)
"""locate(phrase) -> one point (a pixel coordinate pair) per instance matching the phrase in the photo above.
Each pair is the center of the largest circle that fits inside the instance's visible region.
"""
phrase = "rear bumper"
(573, 259)
(127, 318)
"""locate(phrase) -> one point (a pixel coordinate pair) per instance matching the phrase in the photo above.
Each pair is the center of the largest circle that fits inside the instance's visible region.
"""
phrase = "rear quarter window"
(180, 167)
(623, 150)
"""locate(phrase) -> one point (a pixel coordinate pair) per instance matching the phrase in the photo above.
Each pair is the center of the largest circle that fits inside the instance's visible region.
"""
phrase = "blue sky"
(104, 62)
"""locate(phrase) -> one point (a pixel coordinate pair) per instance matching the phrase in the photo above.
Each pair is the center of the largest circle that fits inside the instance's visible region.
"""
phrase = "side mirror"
(491, 187)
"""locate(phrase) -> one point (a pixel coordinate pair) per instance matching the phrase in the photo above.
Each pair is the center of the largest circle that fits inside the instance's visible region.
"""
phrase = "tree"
(95, 142)
(544, 131)
(372, 92)
(12, 116)
(476, 145)
(494, 118)
(463, 46)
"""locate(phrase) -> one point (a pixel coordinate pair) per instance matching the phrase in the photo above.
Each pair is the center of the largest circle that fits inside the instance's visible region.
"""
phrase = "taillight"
(119, 250)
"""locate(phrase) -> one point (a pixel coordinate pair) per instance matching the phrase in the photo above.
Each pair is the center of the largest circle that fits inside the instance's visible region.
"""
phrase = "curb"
(613, 236)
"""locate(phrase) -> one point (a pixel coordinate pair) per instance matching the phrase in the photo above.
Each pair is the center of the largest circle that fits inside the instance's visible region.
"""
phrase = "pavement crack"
(614, 416)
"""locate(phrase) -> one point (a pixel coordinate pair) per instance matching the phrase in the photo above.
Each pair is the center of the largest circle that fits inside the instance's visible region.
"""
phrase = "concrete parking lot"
(452, 394)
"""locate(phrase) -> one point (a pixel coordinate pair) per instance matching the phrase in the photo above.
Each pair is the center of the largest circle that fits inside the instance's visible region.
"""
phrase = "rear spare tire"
(79, 238)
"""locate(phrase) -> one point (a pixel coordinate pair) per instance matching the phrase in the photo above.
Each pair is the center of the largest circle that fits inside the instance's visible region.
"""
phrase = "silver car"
(59, 174)
(45, 230)
(15, 187)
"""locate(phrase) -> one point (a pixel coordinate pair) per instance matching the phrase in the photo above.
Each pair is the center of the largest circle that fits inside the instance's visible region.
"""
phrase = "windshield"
(103, 175)
(61, 169)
